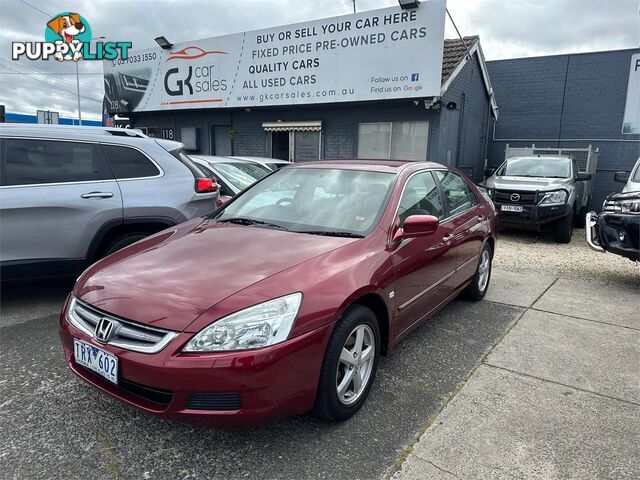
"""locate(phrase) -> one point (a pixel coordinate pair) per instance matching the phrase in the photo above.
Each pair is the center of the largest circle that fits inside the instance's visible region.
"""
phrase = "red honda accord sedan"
(283, 299)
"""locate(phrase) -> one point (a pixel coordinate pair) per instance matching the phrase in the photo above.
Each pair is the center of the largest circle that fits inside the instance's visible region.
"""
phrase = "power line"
(52, 73)
(50, 85)
(36, 8)
(4, 61)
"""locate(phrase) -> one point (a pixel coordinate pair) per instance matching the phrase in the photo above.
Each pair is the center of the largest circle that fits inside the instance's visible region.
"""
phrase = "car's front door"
(468, 223)
(54, 197)
(423, 266)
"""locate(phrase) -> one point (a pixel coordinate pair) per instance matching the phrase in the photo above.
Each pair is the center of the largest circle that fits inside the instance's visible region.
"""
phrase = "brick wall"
(570, 101)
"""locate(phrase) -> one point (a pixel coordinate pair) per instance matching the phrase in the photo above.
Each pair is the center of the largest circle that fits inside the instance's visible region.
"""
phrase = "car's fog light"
(621, 236)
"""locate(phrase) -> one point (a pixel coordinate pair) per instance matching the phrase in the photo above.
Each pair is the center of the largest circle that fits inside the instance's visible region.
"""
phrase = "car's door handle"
(447, 238)
(480, 218)
(97, 195)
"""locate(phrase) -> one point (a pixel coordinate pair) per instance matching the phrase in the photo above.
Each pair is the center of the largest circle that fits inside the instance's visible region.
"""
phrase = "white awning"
(308, 126)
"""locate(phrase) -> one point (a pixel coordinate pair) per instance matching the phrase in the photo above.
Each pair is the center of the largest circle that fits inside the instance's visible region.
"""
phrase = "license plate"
(511, 208)
(96, 360)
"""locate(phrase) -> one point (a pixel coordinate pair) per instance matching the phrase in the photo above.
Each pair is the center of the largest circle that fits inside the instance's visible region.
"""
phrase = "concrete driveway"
(558, 398)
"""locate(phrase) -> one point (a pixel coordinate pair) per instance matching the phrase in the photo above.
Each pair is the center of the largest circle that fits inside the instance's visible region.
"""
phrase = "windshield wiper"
(251, 221)
(331, 233)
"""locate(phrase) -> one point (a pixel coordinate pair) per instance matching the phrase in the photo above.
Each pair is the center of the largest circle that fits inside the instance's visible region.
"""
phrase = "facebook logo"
(414, 77)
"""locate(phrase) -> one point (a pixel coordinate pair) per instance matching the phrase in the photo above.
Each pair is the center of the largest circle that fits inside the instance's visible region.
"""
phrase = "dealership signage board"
(375, 55)
(631, 119)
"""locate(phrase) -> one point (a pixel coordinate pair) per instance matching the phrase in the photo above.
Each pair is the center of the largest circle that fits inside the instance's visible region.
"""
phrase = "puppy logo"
(71, 29)
(67, 36)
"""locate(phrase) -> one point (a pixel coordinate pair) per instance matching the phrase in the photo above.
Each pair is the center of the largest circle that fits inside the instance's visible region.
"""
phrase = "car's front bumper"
(227, 389)
(615, 233)
(531, 216)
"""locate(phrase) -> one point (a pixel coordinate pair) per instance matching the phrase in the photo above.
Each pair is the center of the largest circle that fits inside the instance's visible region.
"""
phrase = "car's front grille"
(514, 196)
(122, 333)
(220, 401)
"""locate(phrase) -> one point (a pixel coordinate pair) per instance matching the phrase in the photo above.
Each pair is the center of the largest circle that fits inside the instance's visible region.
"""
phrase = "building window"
(393, 140)
(294, 141)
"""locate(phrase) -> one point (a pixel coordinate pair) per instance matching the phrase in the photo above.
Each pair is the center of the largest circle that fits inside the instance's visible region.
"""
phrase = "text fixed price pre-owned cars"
(281, 301)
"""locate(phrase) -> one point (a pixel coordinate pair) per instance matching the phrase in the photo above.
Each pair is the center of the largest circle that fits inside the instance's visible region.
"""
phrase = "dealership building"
(398, 91)
(451, 128)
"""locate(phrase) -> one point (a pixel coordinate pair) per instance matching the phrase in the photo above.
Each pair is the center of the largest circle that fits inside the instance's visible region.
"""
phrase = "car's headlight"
(631, 206)
(557, 196)
(259, 326)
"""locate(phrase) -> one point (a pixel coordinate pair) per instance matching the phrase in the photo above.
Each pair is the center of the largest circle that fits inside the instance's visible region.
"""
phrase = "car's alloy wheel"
(480, 280)
(356, 364)
(484, 268)
(349, 364)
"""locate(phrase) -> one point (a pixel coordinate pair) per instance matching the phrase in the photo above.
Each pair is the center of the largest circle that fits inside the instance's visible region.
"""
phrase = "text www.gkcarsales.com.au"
(263, 97)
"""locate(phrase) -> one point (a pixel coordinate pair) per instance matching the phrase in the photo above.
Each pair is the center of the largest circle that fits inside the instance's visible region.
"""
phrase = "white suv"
(71, 195)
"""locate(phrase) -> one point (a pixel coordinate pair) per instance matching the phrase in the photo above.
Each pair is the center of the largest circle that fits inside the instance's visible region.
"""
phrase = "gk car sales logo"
(68, 37)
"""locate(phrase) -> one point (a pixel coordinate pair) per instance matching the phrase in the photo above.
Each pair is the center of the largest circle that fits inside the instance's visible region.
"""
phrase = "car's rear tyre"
(123, 241)
(480, 280)
(563, 229)
(349, 365)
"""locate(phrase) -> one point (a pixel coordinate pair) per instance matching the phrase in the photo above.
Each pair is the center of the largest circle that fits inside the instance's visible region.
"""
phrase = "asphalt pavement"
(52, 425)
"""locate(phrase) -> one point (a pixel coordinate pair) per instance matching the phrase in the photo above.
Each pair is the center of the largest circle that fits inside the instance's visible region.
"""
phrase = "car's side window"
(33, 161)
(420, 197)
(456, 192)
(129, 163)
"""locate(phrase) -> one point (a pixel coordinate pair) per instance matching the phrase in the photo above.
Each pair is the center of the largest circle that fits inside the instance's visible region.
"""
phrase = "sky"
(507, 29)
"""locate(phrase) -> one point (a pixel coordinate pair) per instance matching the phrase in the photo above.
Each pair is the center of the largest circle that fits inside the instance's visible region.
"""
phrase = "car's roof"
(386, 166)
(67, 131)
(540, 157)
(261, 159)
(219, 159)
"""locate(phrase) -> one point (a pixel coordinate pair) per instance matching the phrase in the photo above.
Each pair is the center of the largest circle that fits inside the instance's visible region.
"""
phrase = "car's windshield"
(315, 200)
(241, 175)
(536, 167)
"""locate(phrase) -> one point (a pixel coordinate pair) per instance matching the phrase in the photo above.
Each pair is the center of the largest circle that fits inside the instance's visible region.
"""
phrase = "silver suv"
(71, 195)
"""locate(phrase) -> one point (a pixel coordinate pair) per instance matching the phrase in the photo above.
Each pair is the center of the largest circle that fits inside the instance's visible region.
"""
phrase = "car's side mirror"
(621, 177)
(416, 226)
(222, 200)
(489, 171)
(582, 177)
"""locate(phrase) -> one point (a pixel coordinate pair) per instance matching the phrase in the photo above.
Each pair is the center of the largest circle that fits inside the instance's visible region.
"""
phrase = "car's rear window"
(241, 175)
(128, 162)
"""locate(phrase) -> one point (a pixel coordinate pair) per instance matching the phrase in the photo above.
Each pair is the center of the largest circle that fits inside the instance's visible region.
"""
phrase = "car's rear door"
(423, 266)
(467, 221)
(55, 195)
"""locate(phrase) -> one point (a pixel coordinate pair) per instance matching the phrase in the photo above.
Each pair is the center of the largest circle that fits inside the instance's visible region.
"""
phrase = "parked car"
(71, 195)
(233, 175)
(270, 163)
(537, 192)
(630, 179)
(272, 306)
(617, 228)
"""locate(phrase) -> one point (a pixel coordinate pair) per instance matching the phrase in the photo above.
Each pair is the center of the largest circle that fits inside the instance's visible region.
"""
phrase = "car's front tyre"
(349, 365)
(563, 229)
